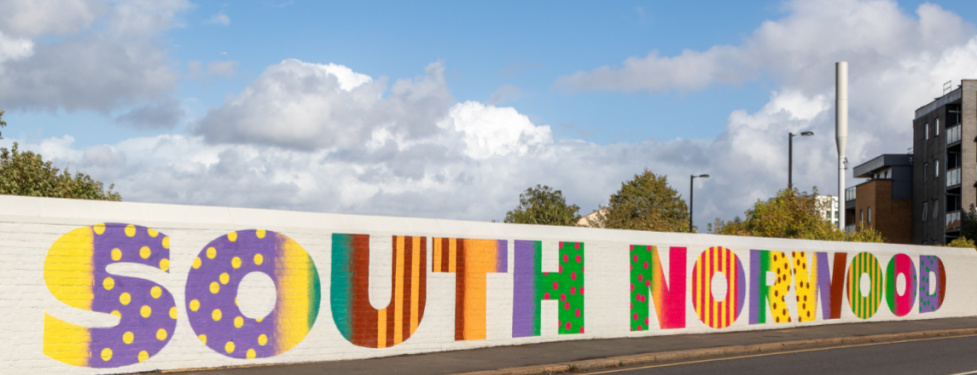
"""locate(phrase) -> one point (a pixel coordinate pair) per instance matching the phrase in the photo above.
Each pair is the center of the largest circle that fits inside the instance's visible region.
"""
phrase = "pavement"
(942, 355)
(588, 355)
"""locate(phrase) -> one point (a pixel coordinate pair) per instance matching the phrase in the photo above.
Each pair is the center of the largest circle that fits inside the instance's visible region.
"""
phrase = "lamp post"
(790, 156)
(691, 189)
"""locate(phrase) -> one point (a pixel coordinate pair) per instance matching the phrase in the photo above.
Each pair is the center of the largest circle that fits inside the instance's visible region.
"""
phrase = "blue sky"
(535, 67)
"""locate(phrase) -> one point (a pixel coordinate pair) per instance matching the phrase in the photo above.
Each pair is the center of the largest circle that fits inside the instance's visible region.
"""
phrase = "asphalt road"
(955, 355)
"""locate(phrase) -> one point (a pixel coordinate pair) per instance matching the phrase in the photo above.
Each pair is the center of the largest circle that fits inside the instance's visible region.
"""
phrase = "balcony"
(953, 177)
(953, 134)
(850, 228)
(850, 194)
(953, 221)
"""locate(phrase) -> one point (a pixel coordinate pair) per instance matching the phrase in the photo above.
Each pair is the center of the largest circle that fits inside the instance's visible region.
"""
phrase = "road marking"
(777, 353)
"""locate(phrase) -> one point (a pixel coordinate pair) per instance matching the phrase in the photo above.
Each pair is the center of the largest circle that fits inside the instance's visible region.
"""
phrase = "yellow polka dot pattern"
(805, 284)
(262, 340)
(235, 262)
(131, 300)
(229, 347)
(203, 338)
(196, 263)
(251, 354)
(215, 287)
(258, 259)
(216, 315)
(238, 322)
(211, 253)
(194, 305)
(232, 236)
(225, 278)
(260, 233)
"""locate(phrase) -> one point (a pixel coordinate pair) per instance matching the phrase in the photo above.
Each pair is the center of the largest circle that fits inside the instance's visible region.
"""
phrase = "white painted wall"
(29, 226)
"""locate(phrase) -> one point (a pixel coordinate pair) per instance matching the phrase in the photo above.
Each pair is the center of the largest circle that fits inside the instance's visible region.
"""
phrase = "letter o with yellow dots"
(212, 285)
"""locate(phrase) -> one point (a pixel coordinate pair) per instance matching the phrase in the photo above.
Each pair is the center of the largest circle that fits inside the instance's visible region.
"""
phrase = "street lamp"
(790, 156)
(691, 187)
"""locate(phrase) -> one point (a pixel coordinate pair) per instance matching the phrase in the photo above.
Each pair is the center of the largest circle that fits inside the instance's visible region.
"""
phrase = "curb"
(719, 352)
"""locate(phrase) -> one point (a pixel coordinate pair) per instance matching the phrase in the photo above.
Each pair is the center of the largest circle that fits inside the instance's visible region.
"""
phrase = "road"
(955, 355)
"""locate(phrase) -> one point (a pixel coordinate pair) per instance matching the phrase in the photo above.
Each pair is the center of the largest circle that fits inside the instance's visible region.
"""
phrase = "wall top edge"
(18, 209)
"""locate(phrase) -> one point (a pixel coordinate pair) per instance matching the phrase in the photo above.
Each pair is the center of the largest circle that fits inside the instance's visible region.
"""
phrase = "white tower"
(841, 131)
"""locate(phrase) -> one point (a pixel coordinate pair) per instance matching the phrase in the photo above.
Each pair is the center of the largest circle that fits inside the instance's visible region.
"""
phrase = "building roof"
(950, 97)
(866, 169)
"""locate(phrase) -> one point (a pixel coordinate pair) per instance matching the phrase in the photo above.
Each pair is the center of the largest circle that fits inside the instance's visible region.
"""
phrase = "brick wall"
(891, 217)
(107, 287)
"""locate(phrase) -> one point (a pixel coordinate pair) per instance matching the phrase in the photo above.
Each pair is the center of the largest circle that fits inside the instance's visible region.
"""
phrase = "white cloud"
(15, 48)
(492, 131)
(301, 105)
(107, 55)
(222, 68)
(220, 19)
(795, 50)
(325, 138)
(31, 18)
(505, 93)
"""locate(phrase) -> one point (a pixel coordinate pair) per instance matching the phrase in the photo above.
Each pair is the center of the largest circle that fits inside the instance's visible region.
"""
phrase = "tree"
(962, 242)
(26, 173)
(792, 215)
(969, 227)
(2, 123)
(645, 203)
(545, 206)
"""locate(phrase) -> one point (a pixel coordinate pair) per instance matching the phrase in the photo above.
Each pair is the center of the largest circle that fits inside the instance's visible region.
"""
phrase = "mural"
(471, 260)
(900, 301)
(647, 275)
(932, 275)
(358, 321)
(762, 294)
(864, 306)
(75, 274)
(212, 285)
(532, 286)
(718, 313)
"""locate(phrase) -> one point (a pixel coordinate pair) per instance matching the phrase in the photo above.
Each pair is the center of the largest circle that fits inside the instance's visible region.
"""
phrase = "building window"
(861, 216)
(925, 206)
(926, 131)
(936, 168)
(936, 127)
(936, 208)
(870, 216)
(926, 168)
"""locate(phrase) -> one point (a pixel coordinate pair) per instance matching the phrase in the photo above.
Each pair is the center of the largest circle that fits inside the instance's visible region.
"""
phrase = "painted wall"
(105, 287)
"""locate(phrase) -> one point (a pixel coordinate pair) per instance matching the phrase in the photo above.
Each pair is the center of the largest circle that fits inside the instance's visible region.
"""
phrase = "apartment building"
(944, 164)
(885, 201)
